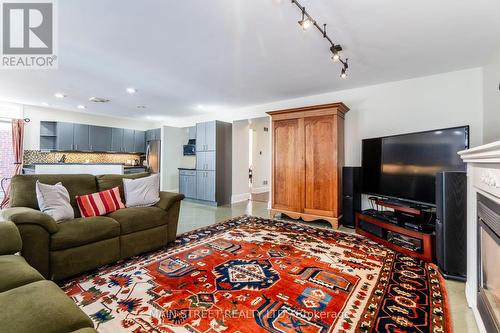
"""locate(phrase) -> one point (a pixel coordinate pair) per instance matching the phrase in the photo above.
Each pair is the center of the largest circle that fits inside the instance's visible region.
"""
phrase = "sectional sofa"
(28, 302)
(63, 250)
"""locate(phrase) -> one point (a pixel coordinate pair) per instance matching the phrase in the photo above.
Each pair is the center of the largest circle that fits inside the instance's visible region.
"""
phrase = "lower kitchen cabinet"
(187, 183)
(205, 185)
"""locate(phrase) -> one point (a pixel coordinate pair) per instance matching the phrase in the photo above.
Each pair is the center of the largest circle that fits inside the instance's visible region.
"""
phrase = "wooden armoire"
(307, 160)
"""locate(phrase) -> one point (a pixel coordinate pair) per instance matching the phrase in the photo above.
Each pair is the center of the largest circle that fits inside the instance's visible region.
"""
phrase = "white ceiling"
(226, 54)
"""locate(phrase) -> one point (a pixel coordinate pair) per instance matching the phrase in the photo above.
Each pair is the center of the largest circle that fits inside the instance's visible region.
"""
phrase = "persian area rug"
(256, 275)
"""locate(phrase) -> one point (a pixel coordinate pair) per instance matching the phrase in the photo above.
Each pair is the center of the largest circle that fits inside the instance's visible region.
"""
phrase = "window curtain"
(17, 146)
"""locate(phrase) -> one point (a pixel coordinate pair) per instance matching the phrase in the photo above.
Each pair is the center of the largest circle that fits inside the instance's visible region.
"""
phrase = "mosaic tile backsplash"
(35, 156)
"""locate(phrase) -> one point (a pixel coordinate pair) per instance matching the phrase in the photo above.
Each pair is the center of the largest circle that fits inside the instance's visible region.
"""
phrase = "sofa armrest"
(24, 215)
(10, 239)
(167, 199)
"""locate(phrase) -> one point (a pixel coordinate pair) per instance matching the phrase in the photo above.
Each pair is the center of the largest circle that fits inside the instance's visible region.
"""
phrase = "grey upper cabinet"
(200, 137)
(192, 132)
(81, 137)
(210, 133)
(206, 136)
(63, 136)
(128, 140)
(153, 134)
(139, 142)
(100, 138)
(117, 139)
(64, 132)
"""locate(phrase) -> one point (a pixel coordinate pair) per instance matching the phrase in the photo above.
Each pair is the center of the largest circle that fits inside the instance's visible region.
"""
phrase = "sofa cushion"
(100, 203)
(107, 182)
(10, 239)
(40, 307)
(137, 219)
(54, 201)
(23, 188)
(16, 272)
(83, 231)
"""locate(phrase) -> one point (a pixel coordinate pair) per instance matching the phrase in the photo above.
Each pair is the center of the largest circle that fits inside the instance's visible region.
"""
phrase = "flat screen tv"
(404, 166)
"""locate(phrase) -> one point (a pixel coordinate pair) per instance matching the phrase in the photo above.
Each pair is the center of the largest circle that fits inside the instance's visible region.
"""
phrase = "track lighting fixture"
(307, 22)
(335, 49)
(343, 73)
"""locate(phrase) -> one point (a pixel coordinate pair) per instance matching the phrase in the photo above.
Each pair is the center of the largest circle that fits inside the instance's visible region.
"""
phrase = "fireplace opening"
(488, 297)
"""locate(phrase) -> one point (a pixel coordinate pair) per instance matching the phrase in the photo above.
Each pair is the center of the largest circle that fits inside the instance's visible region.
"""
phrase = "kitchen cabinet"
(187, 183)
(139, 142)
(117, 139)
(205, 160)
(64, 139)
(213, 162)
(205, 185)
(192, 133)
(206, 136)
(81, 137)
(100, 138)
(153, 134)
(128, 140)
(64, 136)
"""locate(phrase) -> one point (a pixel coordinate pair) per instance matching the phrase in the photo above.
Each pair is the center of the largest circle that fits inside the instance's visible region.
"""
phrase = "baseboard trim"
(262, 189)
(240, 197)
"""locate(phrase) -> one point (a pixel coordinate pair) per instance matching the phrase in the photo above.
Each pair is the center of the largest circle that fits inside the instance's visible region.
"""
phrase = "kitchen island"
(82, 168)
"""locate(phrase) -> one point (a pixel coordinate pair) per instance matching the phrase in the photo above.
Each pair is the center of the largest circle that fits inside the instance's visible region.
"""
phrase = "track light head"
(335, 49)
(343, 74)
(306, 21)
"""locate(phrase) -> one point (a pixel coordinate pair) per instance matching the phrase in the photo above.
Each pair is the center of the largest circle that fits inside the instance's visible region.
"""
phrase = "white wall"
(173, 138)
(491, 87)
(438, 101)
(37, 114)
(11, 110)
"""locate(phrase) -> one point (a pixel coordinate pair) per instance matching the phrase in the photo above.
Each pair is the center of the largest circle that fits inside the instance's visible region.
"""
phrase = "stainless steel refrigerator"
(153, 158)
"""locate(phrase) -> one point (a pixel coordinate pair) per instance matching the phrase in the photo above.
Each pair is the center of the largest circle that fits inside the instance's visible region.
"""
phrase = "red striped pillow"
(100, 203)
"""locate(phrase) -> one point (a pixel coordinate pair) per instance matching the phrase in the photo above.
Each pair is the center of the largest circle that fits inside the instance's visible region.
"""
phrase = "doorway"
(259, 157)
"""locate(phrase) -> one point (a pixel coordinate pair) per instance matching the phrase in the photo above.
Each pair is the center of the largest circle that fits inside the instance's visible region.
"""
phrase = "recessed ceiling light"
(59, 95)
(199, 106)
(149, 117)
(98, 100)
(81, 107)
(131, 90)
(45, 104)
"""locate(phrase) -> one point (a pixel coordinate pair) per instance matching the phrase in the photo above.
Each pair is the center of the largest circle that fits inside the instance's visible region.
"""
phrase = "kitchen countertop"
(124, 165)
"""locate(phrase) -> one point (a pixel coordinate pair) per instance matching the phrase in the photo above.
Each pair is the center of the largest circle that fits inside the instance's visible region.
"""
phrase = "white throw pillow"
(54, 201)
(142, 192)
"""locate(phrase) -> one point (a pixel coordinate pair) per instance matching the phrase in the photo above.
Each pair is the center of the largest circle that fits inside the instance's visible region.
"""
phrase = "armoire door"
(288, 165)
(320, 165)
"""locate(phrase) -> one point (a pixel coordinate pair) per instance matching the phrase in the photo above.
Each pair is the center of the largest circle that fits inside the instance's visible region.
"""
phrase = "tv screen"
(405, 166)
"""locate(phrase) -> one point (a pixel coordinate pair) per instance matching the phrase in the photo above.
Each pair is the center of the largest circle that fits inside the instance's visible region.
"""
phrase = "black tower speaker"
(451, 224)
(351, 195)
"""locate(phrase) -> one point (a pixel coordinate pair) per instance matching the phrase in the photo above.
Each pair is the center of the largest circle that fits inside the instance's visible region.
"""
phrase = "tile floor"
(193, 216)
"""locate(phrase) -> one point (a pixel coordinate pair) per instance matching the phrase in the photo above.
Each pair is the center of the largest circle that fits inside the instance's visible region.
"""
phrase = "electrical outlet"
(264, 182)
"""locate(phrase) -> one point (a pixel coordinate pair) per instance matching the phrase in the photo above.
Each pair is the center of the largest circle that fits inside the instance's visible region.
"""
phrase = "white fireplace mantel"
(483, 176)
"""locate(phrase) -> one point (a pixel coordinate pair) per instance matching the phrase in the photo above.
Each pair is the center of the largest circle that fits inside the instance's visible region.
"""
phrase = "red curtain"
(17, 147)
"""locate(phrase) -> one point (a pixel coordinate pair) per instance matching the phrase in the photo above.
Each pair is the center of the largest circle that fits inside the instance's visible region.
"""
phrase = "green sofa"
(62, 250)
(28, 302)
